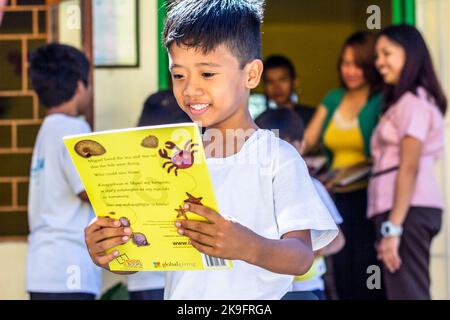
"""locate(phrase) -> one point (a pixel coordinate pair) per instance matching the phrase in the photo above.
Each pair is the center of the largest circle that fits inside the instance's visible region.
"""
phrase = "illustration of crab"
(181, 159)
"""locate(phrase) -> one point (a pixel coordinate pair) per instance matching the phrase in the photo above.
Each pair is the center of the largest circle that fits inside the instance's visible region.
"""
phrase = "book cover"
(142, 177)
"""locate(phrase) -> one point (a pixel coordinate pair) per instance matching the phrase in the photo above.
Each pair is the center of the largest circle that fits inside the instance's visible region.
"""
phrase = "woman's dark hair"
(363, 45)
(418, 70)
(287, 121)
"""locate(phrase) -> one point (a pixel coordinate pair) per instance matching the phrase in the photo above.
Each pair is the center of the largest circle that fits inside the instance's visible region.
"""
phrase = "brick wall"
(24, 27)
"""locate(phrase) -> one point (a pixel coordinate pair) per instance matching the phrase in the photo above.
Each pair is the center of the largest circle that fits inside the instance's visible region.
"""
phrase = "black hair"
(363, 45)
(279, 61)
(287, 121)
(162, 108)
(418, 70)
(55, 70)
(206, 24)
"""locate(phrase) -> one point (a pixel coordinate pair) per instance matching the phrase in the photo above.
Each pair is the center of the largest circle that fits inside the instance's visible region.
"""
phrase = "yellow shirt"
(345, 141)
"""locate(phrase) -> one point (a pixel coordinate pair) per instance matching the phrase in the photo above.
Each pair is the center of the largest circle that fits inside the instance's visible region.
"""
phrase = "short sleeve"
(327, 201)
(297, 204)
(413, 118)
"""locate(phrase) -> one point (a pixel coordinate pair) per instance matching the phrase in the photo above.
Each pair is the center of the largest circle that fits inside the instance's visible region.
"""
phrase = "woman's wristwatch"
(388, 229)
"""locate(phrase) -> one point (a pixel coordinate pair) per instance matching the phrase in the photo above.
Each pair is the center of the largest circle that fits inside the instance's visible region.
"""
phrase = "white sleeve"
(327, 201)
(297, 204)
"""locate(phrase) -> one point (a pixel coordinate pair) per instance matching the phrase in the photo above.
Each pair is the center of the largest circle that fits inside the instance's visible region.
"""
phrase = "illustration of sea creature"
(181, 159)
(89, 148)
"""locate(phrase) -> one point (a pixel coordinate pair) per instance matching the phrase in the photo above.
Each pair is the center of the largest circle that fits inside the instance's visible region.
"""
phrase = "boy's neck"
(233, 134)
(67, 108)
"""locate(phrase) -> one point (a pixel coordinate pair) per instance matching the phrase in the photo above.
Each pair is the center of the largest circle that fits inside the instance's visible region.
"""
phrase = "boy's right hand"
(104, 234)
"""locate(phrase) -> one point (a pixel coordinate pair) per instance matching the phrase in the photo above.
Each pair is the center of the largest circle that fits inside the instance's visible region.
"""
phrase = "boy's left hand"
(218, 237)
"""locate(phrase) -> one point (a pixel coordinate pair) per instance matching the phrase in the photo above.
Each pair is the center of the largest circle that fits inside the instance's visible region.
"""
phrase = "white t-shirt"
(142, 281)
(265, 187)
(317, 283)
(58, 260)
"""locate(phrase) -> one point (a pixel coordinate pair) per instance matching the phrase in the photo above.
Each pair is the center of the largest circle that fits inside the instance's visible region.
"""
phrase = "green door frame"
(163, 61)
(404, 11)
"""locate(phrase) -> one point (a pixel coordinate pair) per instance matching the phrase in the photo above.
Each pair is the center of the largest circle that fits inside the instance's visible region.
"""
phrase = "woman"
(404, 198)
(344, 123)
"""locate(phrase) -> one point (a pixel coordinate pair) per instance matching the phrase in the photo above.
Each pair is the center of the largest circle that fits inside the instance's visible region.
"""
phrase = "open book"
(143, 176)
(344, 178)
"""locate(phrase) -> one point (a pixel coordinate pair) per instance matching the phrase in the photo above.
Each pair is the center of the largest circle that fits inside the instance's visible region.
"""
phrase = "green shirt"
(368, 117)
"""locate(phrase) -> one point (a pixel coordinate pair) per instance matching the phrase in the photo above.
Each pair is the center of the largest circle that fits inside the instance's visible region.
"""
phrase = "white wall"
(120, 93)
(12, 271)
(432, 20)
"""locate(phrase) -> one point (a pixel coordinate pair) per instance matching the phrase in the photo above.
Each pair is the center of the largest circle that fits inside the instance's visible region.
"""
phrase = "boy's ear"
(254, 70)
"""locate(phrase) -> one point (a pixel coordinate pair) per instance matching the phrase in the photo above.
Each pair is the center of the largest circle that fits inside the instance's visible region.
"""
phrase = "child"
(58, 266)
(272, 218)
(291, 129)
(280, 81)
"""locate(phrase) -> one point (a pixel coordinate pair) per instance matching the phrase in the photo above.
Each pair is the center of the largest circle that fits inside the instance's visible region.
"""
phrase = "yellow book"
(143, 176)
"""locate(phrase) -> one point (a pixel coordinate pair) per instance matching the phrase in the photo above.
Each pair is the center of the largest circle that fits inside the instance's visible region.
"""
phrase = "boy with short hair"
(271, 216)
(58, 266)
(291, 129)
(280, 81)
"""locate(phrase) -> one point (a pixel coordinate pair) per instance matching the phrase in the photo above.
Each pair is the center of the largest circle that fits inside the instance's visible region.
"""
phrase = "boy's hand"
(104, 234)
(218, 237)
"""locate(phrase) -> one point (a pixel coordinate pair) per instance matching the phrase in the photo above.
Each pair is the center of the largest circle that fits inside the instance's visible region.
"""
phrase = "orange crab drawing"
(181, 159)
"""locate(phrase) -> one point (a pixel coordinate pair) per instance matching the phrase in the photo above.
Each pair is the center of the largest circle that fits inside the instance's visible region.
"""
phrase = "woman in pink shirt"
(404, 198)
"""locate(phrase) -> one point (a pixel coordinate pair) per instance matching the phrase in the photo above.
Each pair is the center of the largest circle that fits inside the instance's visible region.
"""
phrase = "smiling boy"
(271, 218)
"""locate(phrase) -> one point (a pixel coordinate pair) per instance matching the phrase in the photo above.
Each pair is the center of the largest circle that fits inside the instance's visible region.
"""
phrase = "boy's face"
(279, 86)
(212, 88)
(84, 96)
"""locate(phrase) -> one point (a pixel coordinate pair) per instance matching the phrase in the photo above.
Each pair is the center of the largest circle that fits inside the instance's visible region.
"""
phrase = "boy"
(272, 218)
(280, 81)
(58, 266)
(291, 129)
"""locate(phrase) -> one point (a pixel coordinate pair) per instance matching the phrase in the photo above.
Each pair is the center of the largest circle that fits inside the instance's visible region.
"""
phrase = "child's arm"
(334, 247)
(227, 239)
(104, 234)
(84, 197)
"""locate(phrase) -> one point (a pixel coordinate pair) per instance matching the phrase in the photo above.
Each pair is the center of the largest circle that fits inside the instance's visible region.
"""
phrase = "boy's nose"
(192, 90)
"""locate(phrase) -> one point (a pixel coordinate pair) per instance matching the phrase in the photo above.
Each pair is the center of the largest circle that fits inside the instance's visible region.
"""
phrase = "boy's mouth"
(198, 108)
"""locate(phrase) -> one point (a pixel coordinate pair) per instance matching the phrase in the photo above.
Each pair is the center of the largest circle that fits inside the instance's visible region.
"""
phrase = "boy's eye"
(208, 74)
(177, 76)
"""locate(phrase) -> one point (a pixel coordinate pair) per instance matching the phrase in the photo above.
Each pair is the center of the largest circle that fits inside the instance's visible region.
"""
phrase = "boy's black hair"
(279, 61)
(206, 24)
(287, 121)
(55, 70)
(162, 108)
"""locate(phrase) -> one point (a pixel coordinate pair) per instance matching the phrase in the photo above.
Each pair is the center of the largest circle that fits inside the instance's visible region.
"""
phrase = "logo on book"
(156, 264)
(181, 158)
(134, 264)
